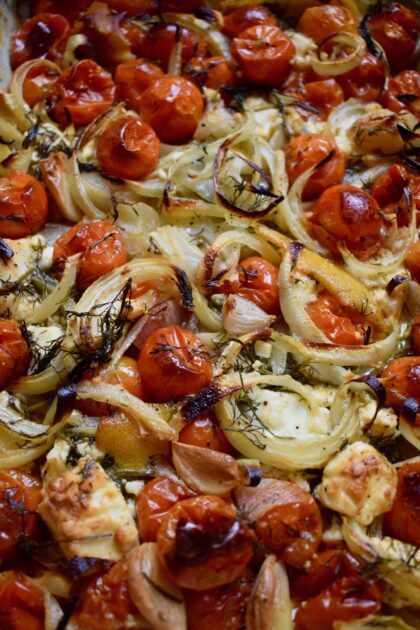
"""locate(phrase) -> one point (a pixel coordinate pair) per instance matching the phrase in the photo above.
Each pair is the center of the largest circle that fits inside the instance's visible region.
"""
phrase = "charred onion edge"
(410, 409)
(184, 288)
(295, 249)
(395, 282)
(219, 163)
(6, 252)
(206, 399)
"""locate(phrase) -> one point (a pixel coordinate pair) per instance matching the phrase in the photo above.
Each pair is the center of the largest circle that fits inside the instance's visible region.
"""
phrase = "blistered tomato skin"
(212, 72)
(401, 379)
(258, 283)
(222, 608)
(22, 602)
(173, 107)
(349, 214)
(125, 374)
(292, 530)
(128, 148)
(365, 81)
(133, 77)
(306, 151)
(346, 599)
(412, 261)
(238, 20)
(23, 205)
(81, 93)
(402, 521)
(43, 36)
(203, 544)
(403, 92)
(173, 363)
(105, 602)
(152, 504)
(321, 22)
(396, 30)
(204, 432)
(161, 39)
(14, 352)
(338, 323)
(38, 83)
(17, 489)
(101, 245)
(264, 54)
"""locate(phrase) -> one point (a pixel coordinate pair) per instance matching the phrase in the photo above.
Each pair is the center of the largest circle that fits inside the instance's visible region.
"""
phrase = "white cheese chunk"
(358, 482)
(87, 514)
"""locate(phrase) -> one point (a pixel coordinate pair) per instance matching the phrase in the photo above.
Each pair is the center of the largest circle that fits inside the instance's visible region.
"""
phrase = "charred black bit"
(86, 167)
(410, 408)
(6, 252)
(254, 475)
(411, 164)
(207, 398)
(395, 282)
(205, 13)
(406, 134)
(6, 142)
(295, 249)
(326, 159)
(66, 397)
(284, 100)
(79, 566)
(377, 387)
(193, 544)
(184, 288)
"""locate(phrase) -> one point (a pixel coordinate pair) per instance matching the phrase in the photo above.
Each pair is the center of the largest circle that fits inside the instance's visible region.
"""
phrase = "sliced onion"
(55, 175)
(241, 316)
(57, 297)
(335, 67)
(144, 413)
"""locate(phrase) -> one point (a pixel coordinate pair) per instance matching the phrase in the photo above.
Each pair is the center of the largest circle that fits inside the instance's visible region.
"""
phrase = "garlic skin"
(204, 470)
(269, 607)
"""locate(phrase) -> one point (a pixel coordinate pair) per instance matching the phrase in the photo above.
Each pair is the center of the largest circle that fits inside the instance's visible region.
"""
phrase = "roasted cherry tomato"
(401, 378)
(264, 54)
(160, 40)
(258, 283)
(324, 568)
(107, 33)
(83, 91)
(304, 152)
(365, 81)
(126, 375)
(203, 544)
(389, 189)
(128, 148)
(222, 608)
(43, 36)
(153, 503)
(324, 95)
(173, 363)
(101, 245)
(293, 529)
(212, 72)
(346, 599)
(38, 83)
(204, 432)
(412, 261)
(402, 521)
(20, 494)
(23, 205)
(106, 604)
(133, 77)
(22, 603)
(349, 214)
(238, 20)
(14, 352)
(165, 312)
(403, 92)
(173, 107)
(415, 336)
(396, 30)
(321, 22)
(70, 10)
(339, 324)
